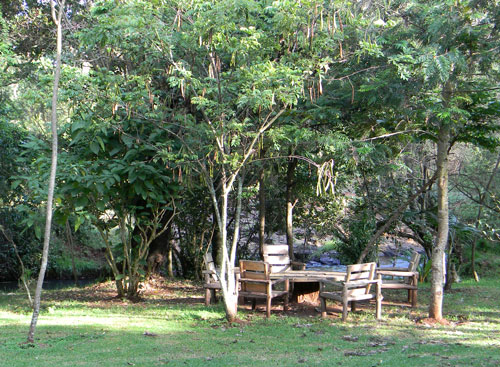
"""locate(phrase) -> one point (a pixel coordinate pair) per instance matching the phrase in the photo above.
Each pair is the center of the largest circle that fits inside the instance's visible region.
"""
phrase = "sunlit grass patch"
(158, 332)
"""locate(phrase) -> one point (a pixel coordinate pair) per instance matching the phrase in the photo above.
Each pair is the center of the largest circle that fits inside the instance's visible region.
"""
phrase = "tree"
(444, 56)
(57, 15)
(239, 73)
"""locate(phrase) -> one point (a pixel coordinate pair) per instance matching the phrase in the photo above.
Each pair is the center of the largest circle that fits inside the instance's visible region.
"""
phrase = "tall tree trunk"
(170, 254)
(262, 211)
(290, 182)
(438, 252)
(57, 18)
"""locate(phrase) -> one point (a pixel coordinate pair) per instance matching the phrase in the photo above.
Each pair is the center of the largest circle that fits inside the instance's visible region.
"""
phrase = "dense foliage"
(202, 126)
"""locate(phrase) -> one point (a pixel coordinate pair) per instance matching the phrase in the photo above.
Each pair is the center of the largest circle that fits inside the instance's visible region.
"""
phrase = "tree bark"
(262, 211)
(57, 18)
(438, 253)
(69, 238)
(290, 175)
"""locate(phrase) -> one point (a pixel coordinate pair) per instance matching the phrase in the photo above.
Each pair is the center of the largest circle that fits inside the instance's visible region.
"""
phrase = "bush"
(28, 245)
(360, 229)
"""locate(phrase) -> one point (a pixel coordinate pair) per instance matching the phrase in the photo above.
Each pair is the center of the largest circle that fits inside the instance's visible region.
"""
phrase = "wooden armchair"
(255, 283)
(403, 278)
(356, 287)
(211, 282)
(279, 260)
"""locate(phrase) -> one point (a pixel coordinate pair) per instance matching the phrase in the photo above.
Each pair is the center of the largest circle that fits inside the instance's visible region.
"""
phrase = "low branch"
(23, 269)
(395, 216)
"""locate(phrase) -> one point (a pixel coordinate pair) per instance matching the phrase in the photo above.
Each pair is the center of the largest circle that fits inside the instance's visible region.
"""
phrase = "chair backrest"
(277, 257)
(210, 265)
(360, 272)
(249, 270)
(414, 261)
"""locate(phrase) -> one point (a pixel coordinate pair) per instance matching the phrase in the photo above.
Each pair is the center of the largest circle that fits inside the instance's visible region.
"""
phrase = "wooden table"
(306, 282)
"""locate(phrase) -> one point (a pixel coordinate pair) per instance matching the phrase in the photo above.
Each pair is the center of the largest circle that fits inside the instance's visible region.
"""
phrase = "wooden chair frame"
(211, 282)
(278, 258)
(356, 287)
(255, 283)
(408, 278)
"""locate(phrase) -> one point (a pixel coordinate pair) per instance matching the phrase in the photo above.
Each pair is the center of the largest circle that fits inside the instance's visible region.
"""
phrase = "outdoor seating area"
(277, 276)
(356, 286)
(403, 278)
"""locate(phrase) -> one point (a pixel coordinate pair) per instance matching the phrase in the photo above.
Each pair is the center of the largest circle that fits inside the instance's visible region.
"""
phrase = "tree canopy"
(198, 120)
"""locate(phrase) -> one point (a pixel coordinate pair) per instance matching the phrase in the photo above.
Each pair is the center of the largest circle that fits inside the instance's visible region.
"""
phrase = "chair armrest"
(360, 283)
(392, 269)
(397, 273)
(299, 264)
(263, 281)
(335, 284)
(278, 281)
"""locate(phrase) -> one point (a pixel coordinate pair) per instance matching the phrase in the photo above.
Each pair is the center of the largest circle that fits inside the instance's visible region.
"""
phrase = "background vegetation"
(213, 125)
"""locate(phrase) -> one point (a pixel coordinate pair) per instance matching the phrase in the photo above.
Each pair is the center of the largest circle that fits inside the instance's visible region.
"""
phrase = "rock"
(327, 260)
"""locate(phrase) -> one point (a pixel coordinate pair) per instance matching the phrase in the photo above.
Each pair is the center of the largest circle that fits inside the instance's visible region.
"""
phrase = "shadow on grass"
(275, 342)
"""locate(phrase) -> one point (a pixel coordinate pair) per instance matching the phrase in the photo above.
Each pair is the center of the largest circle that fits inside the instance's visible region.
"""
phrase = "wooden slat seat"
(403, 278)
(255, 283)
(355, 287)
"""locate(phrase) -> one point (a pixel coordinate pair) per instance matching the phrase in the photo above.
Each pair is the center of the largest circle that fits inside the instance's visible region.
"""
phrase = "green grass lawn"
(172, 328)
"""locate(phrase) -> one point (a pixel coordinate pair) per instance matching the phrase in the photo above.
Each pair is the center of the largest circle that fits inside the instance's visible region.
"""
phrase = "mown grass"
(79, 331)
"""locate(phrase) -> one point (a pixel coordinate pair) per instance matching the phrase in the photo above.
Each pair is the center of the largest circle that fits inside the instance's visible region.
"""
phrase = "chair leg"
(287, 288)
(207, 296)
(353, 306)
(345, 305)
(287, 295)
(414, 292)
(268, 307)
(254, 303)
(323, 306)
(378, 307)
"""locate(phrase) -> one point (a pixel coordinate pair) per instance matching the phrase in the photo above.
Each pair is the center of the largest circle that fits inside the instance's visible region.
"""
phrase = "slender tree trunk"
(482, 198)
(71, 245)
(438, 252)
(262, 211)
(57, 18)
(24, 276)
(290, 176)
(170, 265)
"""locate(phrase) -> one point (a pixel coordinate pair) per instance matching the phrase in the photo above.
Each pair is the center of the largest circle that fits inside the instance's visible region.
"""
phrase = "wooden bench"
(256, 283)
(403, 278)
(279, 260)
(355, 287)
(302, 289)
(211, 282)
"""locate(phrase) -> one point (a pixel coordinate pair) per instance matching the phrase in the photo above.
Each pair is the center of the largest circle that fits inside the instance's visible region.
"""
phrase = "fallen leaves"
(350, 338)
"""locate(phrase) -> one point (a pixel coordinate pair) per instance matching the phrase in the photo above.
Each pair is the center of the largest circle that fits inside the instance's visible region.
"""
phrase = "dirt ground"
(159, 291)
